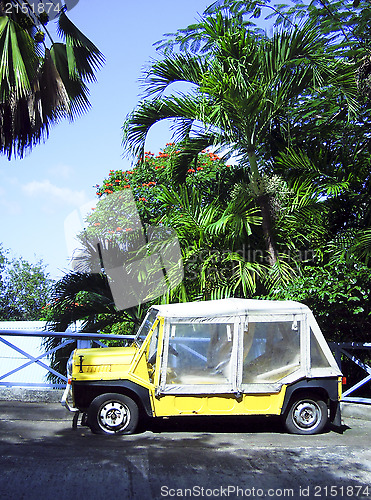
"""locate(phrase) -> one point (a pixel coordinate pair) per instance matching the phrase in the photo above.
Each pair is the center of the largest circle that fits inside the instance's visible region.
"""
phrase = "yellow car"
(221, 357)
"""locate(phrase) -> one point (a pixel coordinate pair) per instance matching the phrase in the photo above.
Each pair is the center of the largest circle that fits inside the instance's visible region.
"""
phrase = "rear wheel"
(113, 414)
(307, 415)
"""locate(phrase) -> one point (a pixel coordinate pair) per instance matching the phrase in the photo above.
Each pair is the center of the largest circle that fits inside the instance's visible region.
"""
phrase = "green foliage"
(207, 172)
(209, 225)
(216, 221)
(339, 295)
(211, 237)
(295, 106)
(87, 298)
(120, 328)
(258, 97)
(25, 289)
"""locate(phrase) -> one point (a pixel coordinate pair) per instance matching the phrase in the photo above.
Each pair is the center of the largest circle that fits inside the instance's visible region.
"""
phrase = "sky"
(40, 191)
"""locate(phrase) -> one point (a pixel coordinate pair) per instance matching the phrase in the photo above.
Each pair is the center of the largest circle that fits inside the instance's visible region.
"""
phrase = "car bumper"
(64, 400)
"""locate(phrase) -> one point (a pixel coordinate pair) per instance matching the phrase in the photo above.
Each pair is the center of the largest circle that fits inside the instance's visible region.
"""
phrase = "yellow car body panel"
(224, 404)
(130, 363)
(112, 363)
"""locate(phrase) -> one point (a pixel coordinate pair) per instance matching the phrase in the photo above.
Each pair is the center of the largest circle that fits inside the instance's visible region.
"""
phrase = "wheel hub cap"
(113, 414)
(306, 415)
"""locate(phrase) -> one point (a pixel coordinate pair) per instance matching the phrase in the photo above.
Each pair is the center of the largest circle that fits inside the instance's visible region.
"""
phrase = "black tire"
(306, 415)
(113, 414)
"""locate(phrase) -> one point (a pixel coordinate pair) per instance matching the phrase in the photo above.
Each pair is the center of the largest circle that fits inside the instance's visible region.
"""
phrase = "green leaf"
(83, 56)
(18, 61)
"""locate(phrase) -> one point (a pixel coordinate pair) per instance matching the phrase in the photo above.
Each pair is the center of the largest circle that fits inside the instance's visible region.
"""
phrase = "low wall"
(31, 395)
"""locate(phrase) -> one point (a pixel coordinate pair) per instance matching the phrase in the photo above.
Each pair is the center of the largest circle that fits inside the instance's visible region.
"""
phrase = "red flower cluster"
(213, 156)
(150, 167)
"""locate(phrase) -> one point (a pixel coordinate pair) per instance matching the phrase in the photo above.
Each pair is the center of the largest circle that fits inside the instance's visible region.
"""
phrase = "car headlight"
(70, 365)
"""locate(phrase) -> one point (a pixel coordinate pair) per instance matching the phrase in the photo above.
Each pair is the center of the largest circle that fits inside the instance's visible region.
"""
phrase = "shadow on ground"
(230, 457)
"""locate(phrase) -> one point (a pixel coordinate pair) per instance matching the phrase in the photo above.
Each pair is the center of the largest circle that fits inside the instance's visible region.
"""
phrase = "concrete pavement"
(43, 457)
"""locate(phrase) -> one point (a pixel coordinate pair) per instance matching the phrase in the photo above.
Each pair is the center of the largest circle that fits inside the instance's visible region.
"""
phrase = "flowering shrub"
(189, 209)
(209, 174)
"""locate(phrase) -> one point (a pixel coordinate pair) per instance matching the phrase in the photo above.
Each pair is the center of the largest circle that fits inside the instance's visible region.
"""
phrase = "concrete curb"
(348, 410)
(356, 410)
(31, 395)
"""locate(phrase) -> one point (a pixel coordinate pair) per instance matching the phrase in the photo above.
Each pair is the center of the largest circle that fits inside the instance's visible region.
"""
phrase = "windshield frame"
(146, 326)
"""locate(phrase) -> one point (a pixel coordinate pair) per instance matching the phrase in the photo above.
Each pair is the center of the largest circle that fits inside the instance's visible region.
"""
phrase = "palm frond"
(18, 60)
(175, 68)
(38, 89)
(66, 307)
(83, 57)
(237, 219)
(244, 274)
(51, 99)
(188, 214)
(361, 247)
(76, 89)
(306, 175)
(189, 150)
(147, 113)
(85, 298)
(280, 273)
(351, 245)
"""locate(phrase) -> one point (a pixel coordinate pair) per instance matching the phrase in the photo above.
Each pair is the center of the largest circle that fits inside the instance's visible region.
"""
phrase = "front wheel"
(307, 415)
(113, 414)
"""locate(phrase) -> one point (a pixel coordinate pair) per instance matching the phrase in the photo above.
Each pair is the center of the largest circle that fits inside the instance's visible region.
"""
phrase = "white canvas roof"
(230, 307)
(233, 356)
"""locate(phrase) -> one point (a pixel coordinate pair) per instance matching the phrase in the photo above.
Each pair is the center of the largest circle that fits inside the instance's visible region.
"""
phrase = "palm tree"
(40, 83)
(211, 237)
(244, 91)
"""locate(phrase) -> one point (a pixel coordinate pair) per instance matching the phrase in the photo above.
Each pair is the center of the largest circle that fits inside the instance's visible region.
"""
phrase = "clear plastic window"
(152, 351)
(271, 351)
(146, 326)
(200, 353)
(317, 357)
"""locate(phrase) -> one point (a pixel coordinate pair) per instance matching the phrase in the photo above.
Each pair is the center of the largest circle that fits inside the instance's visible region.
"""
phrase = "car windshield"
(146, 326)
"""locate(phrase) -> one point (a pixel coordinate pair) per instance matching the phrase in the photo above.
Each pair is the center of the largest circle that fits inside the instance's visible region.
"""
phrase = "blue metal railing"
(83, 340)
(342, 349)
(87, 339)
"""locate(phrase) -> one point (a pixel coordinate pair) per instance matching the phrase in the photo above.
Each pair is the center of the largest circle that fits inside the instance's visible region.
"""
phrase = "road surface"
(43, 457)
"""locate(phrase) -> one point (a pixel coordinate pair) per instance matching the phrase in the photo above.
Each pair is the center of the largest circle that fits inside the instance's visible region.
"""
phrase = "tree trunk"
(263, 201)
